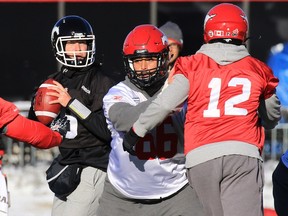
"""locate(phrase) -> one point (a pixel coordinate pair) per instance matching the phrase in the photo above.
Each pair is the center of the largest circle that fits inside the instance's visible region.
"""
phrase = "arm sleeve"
(173, 96)
(8, 112)
(95, 121)
(32, 132)
(119, 111)
(121, 106)
(272, 83)
(92, 116)
(269, 111)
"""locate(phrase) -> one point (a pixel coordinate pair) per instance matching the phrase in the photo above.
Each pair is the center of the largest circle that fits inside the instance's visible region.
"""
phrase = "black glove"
(129, 141)
(61, 125)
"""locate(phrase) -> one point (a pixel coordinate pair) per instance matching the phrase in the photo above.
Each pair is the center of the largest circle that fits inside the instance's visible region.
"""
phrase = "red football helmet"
(142, 42)
(226, 21)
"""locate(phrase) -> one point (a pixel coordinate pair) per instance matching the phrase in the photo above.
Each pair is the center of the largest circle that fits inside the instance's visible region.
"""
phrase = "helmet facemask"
(73, 29)
(144, 43)
(144, 79)
(72, 61)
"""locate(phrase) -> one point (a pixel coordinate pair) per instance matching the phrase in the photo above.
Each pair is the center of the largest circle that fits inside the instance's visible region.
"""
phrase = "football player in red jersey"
(16, 126)
(231, 99)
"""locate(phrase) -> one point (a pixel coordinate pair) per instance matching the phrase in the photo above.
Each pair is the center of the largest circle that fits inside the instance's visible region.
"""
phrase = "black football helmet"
(71, 28)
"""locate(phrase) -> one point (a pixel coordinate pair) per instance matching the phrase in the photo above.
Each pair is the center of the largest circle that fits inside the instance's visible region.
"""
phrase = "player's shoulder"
(194, 60)
(255, 64)
(186, 64)
(119, 88)
(190, 58)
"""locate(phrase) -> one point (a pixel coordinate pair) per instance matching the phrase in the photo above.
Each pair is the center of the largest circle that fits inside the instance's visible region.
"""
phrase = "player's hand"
(61, 93)
(129, 141)
(61, 125)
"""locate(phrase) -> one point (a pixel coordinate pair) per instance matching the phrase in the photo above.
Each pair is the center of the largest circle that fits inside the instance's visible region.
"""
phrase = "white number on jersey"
(229, 107)
(72, 133)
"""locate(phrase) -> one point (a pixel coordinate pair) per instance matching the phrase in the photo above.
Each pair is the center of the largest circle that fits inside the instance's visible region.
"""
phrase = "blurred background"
(26, 56)
(26, 60)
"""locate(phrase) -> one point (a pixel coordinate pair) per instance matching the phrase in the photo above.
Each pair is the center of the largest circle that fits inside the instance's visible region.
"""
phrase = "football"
(44, 111)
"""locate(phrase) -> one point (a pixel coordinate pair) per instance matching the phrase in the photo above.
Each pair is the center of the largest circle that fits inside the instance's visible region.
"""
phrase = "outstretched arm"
(32, 132)
(119, 103)
(13, 125)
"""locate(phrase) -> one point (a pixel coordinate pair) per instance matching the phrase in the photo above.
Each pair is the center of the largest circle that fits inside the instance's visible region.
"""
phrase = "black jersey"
(89, 143)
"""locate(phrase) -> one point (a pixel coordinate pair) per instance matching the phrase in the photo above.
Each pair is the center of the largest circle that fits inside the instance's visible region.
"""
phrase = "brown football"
(44, 111)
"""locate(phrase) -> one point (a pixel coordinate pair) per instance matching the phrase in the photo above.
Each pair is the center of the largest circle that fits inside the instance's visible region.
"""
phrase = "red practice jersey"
(223, 100)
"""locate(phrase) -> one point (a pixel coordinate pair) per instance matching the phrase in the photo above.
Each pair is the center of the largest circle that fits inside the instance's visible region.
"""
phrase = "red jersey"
(223, 100)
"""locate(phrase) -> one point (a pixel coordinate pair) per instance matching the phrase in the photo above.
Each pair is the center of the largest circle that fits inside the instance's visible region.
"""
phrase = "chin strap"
(151, 90)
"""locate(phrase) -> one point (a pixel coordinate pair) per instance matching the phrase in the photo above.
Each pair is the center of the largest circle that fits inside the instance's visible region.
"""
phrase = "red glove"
(8, 112)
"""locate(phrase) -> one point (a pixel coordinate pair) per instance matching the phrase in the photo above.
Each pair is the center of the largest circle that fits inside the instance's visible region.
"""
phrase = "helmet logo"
(244, 17)
(164, 40)
(141, 51)
(208, 16)
(235, 33)
(55, 29)
(76, 34)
